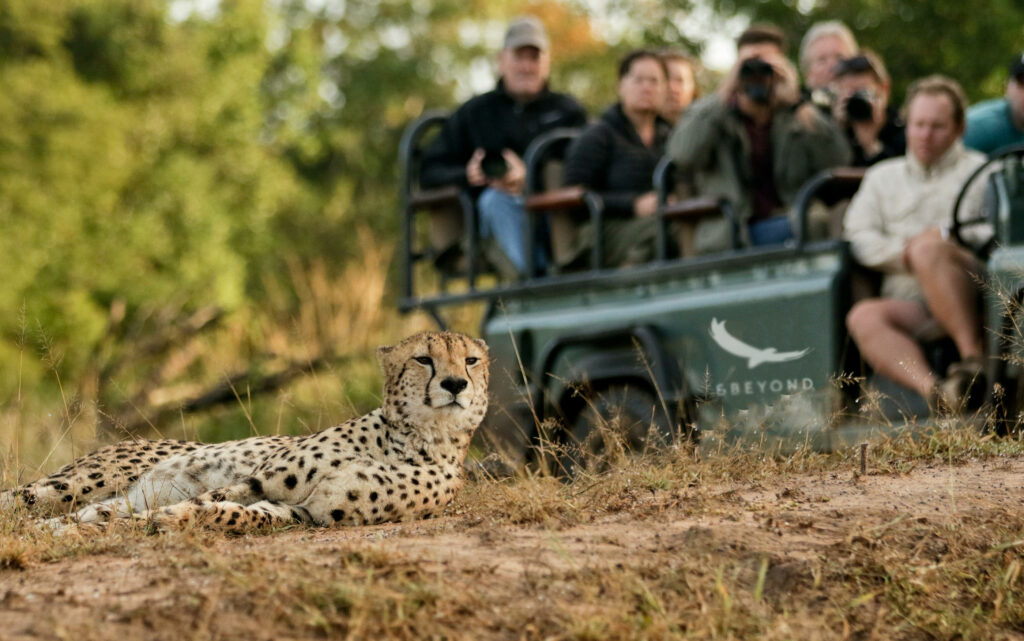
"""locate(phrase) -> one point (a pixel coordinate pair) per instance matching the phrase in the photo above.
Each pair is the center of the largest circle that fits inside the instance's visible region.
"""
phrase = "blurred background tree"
(171, 166)
(973, 43)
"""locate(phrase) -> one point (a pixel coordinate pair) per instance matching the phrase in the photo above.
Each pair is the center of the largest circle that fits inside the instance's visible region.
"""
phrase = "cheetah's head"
(436, 381)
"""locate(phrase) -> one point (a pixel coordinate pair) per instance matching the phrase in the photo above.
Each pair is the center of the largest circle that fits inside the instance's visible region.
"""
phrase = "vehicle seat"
(680, 209)
(548, 201)
(821, 203)
(451, 240)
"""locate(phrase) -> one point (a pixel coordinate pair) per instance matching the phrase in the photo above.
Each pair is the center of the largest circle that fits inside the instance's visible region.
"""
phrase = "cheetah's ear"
(383, 355)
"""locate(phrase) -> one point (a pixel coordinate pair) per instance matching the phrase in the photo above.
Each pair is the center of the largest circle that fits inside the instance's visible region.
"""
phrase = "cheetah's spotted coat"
(397, 463)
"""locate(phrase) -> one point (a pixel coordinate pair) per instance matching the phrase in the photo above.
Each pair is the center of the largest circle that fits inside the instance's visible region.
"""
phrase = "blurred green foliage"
(971, 42)
(131, 164)
(182, 154)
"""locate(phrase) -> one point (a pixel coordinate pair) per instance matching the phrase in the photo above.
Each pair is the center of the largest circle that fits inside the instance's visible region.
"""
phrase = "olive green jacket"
(711, 143)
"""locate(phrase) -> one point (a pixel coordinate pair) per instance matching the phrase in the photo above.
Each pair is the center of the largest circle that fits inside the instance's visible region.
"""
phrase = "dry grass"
(659, 546)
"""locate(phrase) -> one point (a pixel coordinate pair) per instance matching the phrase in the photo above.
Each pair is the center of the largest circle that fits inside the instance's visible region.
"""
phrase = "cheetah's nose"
(454, 385)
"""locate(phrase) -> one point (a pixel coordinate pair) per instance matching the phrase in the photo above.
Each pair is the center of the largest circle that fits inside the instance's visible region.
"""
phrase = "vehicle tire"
(615, 421)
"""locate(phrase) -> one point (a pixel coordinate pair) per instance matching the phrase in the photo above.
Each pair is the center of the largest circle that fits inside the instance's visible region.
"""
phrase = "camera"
(757, 79)
(493, 165)
(822, 99)
(756, 69)
(859, 107)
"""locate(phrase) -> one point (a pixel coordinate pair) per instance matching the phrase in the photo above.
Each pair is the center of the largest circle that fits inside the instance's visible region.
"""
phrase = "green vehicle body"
(721, 337)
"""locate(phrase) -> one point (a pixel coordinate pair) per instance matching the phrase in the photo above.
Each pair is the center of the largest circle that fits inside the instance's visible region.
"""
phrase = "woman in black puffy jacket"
(615, 157)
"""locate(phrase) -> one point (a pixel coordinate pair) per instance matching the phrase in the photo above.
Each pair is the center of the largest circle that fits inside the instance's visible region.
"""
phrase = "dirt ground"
(493, 579)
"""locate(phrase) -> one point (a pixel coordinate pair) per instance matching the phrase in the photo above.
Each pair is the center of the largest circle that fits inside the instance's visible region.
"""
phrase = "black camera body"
(493, 165)
(823, 99)
(859, 107)
(757, 80)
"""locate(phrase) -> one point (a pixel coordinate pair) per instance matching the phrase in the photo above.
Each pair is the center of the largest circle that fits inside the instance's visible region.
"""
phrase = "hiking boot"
(962, 389)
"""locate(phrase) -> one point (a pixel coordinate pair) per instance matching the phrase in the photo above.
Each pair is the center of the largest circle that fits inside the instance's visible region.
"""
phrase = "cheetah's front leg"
(228, 515)
(236, 508)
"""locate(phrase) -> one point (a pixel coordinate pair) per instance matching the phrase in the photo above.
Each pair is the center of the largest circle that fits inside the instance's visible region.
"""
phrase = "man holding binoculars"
(754, 143)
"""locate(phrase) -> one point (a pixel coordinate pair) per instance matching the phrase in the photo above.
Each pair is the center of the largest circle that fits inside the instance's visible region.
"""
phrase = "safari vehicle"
(747, 343)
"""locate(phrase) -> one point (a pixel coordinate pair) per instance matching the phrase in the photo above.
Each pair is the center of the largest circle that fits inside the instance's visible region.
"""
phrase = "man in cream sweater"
(898, 224)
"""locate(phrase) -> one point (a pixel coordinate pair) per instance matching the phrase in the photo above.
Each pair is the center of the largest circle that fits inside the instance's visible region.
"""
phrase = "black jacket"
(893, 137)
(610, 159)
(494, 121)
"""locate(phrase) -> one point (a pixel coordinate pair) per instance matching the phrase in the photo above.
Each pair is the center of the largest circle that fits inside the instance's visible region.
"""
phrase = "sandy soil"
(134, 588)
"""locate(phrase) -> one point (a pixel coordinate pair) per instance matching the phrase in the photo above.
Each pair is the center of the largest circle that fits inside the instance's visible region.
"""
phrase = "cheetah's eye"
(472, 360)
(424, 360)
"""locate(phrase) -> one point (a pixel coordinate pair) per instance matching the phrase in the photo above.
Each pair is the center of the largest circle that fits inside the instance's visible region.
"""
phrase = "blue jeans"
(503, 217)
(771, 231)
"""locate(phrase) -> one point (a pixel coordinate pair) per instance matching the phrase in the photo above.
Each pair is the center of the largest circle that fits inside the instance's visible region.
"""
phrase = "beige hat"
(526, 31)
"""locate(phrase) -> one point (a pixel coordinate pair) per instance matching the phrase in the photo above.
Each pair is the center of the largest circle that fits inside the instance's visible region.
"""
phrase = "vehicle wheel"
(615, 422)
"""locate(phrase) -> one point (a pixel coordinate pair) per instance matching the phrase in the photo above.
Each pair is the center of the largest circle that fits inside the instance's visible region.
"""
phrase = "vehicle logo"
(754, 356)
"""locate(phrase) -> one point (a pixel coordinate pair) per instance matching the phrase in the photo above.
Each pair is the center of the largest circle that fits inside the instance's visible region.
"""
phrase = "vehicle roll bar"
(413, 198)
(538, 151)
(540, 202)
(844, 180)
(691, 209)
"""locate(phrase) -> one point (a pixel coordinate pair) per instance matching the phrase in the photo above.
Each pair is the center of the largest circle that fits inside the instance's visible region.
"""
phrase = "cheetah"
(400, 462)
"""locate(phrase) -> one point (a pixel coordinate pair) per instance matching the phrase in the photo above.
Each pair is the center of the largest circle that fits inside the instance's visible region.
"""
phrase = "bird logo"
(754, 356)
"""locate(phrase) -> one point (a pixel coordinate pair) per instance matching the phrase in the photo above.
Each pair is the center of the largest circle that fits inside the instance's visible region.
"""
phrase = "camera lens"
(493, 165)
(756, 79)
(759, 93)
(859, 108)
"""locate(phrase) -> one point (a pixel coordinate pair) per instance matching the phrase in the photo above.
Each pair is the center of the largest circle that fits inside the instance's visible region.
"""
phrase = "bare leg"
(945, 272)
(883, 329)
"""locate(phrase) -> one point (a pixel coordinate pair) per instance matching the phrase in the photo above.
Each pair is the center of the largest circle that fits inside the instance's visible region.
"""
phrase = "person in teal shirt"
(996, 123)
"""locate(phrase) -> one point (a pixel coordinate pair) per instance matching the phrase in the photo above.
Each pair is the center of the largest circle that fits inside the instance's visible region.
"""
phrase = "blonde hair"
(939, 85)
(822, 29)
